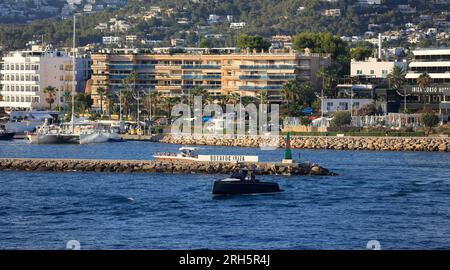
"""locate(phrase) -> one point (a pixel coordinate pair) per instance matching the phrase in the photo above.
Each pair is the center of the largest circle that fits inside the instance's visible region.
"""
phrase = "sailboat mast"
(73, 73)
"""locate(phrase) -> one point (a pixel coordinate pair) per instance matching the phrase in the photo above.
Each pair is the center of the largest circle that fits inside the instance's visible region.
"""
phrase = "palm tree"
(247, 100)
(232, 98)
(169, 102)
(110, 101)
(199, 91)
(131, 81)
(397, 80)
(289, 91)
(50, 95)
(263, 97)
(101, 92)
(424, 81)
(126, 100)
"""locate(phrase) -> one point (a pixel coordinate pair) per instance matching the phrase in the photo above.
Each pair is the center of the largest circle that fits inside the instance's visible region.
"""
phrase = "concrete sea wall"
(153, 166)
(432, 144)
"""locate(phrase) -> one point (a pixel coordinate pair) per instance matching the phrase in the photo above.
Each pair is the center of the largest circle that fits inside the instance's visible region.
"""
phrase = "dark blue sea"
(401, 199)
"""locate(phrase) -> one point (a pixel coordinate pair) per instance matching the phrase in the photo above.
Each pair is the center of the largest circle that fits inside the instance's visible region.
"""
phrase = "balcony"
(288, 67)
(200, 66)
(201, 77)
(205, 86)
(168, 77)
(168, 87)
(262, 87)
(267, 77)
(131, 66)
(168, 67)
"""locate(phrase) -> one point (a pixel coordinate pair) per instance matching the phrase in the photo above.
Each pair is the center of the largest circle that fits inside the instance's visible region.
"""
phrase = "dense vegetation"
(263, 17)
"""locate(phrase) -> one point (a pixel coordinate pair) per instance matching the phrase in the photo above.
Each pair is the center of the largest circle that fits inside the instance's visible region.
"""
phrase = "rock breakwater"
(153, 166)
(431, 144)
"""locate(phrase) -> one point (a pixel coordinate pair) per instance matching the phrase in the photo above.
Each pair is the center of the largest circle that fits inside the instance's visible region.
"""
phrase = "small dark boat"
(243, 182)
(5, 135)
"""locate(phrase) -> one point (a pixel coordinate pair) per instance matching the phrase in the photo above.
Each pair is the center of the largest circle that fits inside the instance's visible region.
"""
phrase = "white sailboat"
(73, 133)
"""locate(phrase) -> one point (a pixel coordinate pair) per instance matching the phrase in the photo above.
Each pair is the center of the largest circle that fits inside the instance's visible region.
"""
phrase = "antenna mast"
(73, 73)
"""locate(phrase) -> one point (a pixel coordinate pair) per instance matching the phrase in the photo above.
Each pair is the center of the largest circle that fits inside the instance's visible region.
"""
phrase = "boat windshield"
(244, 175)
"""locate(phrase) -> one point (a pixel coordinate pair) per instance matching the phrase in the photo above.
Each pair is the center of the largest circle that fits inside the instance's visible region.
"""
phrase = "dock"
(156, 166)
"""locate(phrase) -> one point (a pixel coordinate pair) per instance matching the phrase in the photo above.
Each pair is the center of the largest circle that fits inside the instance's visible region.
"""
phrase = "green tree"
(110, 99)
(324, 42)
(289, 93)
(101, 92)
(424, 81)
(306, 95)
(257, 43)
(341, 119)
(305, 121)
(50, 95)
(205, 43)
(430, 120)
(199, 91)
(396, 81)
(263, 97)
(169, 102)
(360, 53)
(297, 94)
(397, 78)
(232, 98)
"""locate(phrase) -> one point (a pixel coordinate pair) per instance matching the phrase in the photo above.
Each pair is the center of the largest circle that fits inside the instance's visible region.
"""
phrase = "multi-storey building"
(173, 75)
(25, 75)
(376, 68)
(436, 63)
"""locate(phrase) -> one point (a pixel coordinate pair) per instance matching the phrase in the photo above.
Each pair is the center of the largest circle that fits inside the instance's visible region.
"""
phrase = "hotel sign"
(227, 158)
(431, 90)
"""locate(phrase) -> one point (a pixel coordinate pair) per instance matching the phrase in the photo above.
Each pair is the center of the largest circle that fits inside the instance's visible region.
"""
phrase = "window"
(372, 72)
(355, 105)
(329, 106)
(359, 72)
(304, 63)
(343, 106)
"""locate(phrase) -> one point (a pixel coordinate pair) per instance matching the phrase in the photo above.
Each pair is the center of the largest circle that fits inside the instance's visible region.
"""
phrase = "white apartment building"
(373, 67)
(25, 75)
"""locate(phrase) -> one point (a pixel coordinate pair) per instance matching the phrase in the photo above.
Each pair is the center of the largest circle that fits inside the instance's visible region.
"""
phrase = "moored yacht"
(81, 133)
(185, 154)
(72, 133)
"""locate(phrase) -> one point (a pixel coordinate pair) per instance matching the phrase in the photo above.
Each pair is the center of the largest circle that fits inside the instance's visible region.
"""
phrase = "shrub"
(341, 119)
(430, 120)
(305, 121)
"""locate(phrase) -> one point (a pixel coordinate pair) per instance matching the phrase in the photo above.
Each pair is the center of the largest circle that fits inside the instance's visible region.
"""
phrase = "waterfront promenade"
(154, 166)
